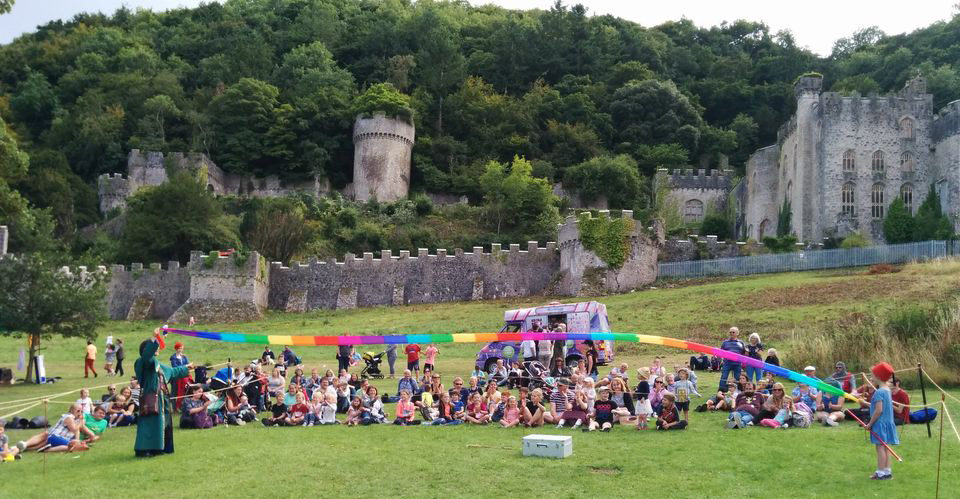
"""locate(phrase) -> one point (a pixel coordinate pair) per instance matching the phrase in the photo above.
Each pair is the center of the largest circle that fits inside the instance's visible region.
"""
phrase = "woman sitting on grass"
(275, 383)
(533, 412)
(193, 411)
(619, 395)
(780, 405)
(372, 408)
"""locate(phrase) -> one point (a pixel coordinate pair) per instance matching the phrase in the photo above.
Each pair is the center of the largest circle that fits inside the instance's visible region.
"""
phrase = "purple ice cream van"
(583, 317)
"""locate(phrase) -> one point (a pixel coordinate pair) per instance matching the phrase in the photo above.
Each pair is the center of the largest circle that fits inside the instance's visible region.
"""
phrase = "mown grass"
(472, 462)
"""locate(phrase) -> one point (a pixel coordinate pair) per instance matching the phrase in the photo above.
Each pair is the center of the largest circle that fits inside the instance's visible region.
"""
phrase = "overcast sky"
(815, 24)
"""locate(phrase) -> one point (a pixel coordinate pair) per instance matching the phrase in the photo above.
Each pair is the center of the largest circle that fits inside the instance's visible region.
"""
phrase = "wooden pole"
(943, 404)
(48, 425)
(923, 391)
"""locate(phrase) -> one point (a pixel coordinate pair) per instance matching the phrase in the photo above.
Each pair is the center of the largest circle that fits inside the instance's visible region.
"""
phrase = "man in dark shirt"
(747, 407)
(343, 357)
(267, 357)
(279, 413)
(731, 344)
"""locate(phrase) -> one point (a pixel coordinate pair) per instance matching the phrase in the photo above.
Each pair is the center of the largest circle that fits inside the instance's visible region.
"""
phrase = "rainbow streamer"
(402, 339)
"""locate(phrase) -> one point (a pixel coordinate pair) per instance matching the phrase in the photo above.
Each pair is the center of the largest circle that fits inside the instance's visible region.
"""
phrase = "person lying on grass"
(63, 436)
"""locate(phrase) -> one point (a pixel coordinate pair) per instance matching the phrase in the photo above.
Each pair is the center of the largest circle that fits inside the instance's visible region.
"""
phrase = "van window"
(512, 327)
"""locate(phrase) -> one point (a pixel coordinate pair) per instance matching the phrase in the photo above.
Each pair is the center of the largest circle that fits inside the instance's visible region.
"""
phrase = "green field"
(468, 461)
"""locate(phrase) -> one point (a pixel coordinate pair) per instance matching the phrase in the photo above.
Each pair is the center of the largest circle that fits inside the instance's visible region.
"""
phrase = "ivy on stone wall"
(608, 238)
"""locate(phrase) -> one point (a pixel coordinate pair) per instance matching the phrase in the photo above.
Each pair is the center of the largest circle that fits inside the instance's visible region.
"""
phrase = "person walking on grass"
(120, 356)
(391, 358)
(734, 345)
(881, 422)
(89, 360)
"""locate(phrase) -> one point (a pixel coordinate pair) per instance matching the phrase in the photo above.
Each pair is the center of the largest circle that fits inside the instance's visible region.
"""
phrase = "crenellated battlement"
(696, 178)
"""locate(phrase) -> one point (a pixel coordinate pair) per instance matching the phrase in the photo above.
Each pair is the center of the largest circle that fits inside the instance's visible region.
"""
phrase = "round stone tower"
(382, 148)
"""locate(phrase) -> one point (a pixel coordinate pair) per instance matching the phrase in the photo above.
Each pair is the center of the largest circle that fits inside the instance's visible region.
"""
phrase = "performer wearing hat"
(881, 423)
(179, 388)
(155, 423)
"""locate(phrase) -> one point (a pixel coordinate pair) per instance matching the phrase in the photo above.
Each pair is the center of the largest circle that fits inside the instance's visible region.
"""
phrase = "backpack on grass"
(923, 415)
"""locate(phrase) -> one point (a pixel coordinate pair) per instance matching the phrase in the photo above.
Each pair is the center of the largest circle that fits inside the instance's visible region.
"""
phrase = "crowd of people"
(566, 396)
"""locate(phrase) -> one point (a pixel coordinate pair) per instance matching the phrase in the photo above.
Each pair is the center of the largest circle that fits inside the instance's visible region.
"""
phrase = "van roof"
(520, 314)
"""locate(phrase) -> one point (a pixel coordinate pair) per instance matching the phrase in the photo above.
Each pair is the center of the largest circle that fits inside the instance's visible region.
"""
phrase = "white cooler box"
(558, 446)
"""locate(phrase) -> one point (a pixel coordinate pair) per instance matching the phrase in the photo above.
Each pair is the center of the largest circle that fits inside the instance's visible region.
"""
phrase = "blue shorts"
(55, 441)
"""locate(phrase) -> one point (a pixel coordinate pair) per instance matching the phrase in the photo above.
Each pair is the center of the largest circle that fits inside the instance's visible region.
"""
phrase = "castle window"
(876, 201)
(877, 162)
(849, 161)
(764, 229)
(847, 199)
(906, 128)
(906, 194)
(906, 161)
(693, 211)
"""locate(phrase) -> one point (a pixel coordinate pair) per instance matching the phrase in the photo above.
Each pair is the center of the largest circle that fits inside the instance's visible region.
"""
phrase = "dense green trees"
(273, 87)
(930, 223)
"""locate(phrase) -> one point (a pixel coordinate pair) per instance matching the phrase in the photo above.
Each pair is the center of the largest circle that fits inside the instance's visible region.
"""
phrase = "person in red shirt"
(901, 403)
(413, 357)
(298, 411)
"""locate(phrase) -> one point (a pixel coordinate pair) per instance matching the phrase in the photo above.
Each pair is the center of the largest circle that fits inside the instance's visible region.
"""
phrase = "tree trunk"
(33, 341)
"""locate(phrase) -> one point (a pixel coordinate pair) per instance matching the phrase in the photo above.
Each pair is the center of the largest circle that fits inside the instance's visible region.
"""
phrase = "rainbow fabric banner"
(401, 339)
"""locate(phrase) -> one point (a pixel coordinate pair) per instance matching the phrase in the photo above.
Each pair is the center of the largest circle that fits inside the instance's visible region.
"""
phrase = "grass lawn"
(467, 461)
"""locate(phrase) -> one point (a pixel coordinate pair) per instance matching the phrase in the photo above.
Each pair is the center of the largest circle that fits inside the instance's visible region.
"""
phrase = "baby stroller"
(372, 367)
(534, 374)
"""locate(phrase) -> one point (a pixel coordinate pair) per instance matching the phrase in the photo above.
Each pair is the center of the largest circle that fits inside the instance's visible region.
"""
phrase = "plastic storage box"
(556, 446)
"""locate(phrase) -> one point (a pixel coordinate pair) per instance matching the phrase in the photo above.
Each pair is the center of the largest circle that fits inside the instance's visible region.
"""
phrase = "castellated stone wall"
(696, 193)
(139, 292)
(408, 279)
(381, 158)
(582, 272)
(225, 289)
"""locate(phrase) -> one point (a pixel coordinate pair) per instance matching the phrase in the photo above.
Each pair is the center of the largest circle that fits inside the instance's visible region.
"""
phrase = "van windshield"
(511, 327)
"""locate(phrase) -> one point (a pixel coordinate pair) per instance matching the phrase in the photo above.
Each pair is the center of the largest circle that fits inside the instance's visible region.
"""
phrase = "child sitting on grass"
(477, 410)
(278, 412)
(446, 414)
(354, 412)
(327, 413)
(458, 405)
(669, 418)
(297, 414)
(603, 412)
(780, 405)
(405, 410)
(7, 453)
(511, 414)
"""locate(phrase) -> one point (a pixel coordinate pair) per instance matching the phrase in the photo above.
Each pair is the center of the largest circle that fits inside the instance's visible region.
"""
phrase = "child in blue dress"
(881, 420)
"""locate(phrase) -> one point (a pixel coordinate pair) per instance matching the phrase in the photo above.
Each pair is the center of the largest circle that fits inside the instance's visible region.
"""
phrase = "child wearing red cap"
(881, 420)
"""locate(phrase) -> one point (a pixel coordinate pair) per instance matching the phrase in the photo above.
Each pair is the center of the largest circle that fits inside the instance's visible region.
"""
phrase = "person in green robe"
(155, 433)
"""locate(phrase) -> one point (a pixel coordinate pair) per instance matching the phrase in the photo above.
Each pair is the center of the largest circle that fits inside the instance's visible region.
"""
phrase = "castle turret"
(381, 158)
(804, 189)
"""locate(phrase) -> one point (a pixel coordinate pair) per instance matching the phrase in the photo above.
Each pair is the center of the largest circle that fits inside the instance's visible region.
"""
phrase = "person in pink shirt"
(405, 410)
(511, 415)
(430, 356)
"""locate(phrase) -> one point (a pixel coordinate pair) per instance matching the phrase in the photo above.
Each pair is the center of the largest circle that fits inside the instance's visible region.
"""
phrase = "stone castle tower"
(381, 158)
(842, 159)
(695, 193)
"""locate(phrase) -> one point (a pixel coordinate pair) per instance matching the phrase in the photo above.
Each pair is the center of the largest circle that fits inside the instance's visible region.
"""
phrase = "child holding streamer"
(881, 424)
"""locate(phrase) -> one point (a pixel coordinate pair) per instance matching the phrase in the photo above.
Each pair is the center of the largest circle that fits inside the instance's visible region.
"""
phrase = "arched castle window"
(789, 192)
(849, 161)
(847, 199)
(876, 201)
(906, 194)
(764, 229)
(906, 128)
(693, 211)
(906, 161)
(877, 162)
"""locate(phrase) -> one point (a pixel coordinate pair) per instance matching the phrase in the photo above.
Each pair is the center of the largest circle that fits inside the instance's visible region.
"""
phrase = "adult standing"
(391, 357)
(734, 345)
(558, 345)
(121, 354)
(155, 423)
(413, 357)
(343, 358)
(89, 360)
(179, 387)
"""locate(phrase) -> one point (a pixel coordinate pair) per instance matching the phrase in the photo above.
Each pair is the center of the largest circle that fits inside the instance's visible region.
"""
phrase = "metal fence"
(812, 260)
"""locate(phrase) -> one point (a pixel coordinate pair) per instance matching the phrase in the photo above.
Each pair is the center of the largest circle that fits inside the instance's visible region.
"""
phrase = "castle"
(838, 164)
(381, 169)
(214, 288)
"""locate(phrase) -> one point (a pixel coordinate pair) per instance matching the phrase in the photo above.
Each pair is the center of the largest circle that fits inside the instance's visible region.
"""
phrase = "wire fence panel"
(812, 260)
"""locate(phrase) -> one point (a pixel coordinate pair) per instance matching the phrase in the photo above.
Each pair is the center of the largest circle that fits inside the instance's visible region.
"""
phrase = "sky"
(815, 24)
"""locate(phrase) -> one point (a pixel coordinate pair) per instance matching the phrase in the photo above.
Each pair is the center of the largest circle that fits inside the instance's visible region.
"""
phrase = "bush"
(784, 244)
(855, 240)
(898, 225)
(715, 225)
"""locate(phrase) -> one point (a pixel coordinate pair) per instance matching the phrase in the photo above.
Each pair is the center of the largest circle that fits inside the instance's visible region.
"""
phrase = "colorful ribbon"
(401, 339)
